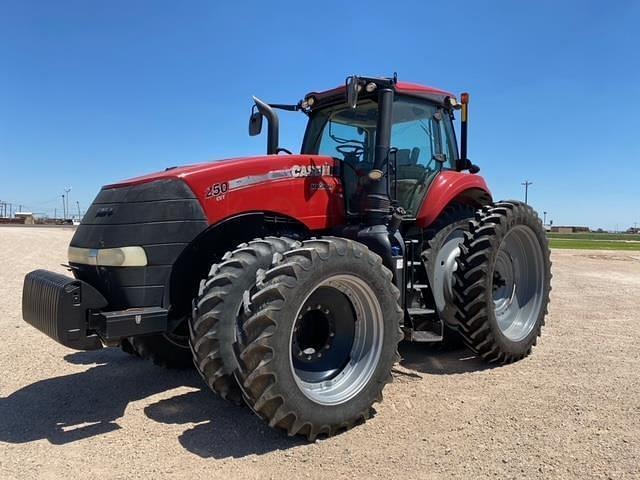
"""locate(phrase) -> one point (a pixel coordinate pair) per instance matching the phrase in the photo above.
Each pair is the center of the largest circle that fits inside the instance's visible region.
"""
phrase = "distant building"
(568, 229)
(26, 218)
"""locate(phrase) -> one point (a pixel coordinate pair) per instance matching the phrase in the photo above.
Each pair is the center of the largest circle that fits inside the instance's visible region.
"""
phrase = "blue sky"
(93, 92)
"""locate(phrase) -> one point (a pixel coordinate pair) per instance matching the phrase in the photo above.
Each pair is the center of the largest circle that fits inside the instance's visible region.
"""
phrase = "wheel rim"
(445, 266)
(518, 283)
(336, 340)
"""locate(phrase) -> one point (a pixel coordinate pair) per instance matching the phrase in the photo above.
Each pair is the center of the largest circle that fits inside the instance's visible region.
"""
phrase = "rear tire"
(443, 240)
(219, 308)
(503, 281)
(319, 349)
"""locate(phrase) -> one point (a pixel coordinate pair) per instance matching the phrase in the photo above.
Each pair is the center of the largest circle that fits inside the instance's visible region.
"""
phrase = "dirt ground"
(571, 410)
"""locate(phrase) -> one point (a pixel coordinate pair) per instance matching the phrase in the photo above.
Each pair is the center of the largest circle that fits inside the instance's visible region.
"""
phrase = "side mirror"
(255, 123)
(352, 91)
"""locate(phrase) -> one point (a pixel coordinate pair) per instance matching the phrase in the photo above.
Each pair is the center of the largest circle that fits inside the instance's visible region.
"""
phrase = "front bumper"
(71, 312)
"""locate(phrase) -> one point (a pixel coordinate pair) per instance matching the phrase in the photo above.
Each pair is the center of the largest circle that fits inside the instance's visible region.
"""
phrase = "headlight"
(109, 257)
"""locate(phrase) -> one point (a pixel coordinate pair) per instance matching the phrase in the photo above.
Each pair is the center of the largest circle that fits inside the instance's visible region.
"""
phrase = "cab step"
(420, 312)
(421, 336)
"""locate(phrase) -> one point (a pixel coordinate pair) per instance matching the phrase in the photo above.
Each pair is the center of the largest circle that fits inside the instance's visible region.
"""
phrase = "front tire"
(219, 308)
(320, 347)
(502, 282)
(168, 350)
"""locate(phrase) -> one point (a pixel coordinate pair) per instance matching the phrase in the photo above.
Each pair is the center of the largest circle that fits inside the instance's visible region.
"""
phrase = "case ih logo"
(311, 170)
(104, 212)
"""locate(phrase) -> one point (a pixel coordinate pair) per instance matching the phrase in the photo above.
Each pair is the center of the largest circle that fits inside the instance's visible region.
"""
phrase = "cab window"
(422, 146)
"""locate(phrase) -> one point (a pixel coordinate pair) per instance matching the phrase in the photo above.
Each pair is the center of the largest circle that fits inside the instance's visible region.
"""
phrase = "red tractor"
(289, 279)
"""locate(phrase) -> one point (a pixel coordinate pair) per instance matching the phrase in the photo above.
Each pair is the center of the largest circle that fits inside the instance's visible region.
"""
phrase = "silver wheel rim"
(445, 266)
(518, 283)
(342, 384)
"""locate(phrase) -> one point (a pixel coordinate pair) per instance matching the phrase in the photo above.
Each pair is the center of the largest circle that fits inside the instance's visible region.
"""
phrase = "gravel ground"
(571, 410)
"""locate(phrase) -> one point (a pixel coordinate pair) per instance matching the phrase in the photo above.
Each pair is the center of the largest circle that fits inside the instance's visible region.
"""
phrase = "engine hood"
(208, 169)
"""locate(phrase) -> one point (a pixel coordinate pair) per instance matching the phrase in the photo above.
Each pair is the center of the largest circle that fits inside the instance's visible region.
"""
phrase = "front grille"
(162, 216)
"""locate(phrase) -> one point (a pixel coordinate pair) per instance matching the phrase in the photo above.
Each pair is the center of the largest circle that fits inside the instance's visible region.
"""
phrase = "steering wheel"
(353, 151)
(283, 150)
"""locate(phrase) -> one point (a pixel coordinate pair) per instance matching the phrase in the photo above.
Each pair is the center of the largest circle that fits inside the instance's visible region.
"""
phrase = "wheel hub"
(503, 282)
(336, 339)
(314, 332)
(445, 266)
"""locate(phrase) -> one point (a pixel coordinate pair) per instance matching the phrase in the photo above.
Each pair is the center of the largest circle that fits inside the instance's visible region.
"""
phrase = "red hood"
(199, 168)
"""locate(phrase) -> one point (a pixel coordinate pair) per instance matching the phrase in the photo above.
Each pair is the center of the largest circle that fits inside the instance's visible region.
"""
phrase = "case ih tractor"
(289, 279)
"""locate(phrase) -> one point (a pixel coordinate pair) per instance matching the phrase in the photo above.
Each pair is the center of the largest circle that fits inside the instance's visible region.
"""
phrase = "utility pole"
(526, 184)
(64, 209)
(78, 205)
(67, 212)
(55, 213)
(544, 222)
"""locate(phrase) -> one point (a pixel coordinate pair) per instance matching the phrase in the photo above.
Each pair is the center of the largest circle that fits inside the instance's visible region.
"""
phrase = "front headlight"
(109, 257)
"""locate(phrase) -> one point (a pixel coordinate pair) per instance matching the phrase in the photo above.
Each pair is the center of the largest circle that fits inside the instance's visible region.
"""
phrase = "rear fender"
(452, 187)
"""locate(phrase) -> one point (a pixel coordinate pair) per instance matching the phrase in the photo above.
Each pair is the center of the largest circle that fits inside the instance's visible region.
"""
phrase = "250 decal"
(217, 191)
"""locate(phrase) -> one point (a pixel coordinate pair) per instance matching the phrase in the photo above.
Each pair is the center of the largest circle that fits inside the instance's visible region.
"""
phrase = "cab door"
(423, 144)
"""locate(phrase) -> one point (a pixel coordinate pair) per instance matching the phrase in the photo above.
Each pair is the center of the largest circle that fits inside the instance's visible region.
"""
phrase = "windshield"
(343, 132)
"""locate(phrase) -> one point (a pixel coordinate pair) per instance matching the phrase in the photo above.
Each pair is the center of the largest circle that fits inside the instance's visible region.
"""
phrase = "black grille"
(162, 216)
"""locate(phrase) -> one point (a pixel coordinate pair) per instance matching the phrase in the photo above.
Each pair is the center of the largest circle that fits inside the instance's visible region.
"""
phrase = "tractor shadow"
(436, 359)
(222, 430)
(85, 404)
(81, 405)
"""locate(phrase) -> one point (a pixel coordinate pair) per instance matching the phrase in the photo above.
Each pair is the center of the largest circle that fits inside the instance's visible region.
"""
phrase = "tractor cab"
(422, 144)
(344, 123)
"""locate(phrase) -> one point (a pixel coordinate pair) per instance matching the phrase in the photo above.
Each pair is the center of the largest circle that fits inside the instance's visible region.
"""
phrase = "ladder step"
(416, 312)
(411, 263)
(417, 285)
(422, 336)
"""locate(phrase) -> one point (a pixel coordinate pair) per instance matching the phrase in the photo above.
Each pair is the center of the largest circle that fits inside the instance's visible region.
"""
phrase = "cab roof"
(407, 88)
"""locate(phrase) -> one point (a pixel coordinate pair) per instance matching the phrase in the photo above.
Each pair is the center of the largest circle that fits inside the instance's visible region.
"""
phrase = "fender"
(450, 186)
(209, 246)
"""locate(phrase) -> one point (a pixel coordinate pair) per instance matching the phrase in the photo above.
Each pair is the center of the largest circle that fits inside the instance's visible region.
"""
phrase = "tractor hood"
(208, 169)
(304, 187)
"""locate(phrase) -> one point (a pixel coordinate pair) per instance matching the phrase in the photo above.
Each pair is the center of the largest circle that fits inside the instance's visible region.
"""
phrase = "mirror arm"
(273, 127)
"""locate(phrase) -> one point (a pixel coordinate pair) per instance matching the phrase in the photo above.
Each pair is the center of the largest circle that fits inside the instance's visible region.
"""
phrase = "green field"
(596, 236)
(595, 241)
